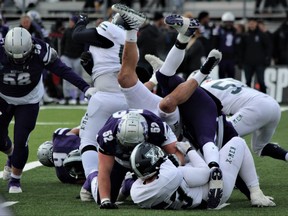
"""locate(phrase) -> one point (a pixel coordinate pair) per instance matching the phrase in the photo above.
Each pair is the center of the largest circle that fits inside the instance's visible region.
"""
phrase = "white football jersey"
(232, 93)
(168, 191)
(108, 60)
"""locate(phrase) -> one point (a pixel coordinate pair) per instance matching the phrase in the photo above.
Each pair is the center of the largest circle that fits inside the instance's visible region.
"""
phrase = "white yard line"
(28, 166)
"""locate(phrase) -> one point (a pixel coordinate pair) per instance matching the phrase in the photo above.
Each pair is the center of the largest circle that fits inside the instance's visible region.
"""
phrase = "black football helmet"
(73, 165)
(146, 159)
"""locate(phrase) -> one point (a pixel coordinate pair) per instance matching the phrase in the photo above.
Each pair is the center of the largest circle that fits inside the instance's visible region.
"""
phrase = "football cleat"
(183, 25)
(215, 188)
(133, 19)
(85, 195)
(7, 173)
(85, 192)
(258, 199)
(154, 61)
(14, 186)
(212, 60)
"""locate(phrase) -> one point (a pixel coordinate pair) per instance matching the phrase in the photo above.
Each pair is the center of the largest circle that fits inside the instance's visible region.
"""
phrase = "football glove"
(83, 19)
(89, 92)
(87, 62)
(106, 204)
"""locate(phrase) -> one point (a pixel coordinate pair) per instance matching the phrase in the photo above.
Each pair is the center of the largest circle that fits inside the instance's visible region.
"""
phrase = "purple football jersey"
(107, 135)
(63, 144)
(20, 80)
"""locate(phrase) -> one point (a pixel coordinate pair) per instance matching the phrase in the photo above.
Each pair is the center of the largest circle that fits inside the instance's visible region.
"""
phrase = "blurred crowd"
(245, 44)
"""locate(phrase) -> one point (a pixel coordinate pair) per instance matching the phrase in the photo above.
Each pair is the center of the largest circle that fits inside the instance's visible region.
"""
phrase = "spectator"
(54, 87)
(37, 21)
(224, 41)
(256, 54)
(150, 39)
(281, 44)
(35, 30)
(71, 52)
(206, 30)
(3, 27)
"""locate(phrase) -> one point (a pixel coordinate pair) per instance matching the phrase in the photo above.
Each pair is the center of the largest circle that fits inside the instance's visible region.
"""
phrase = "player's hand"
(89, 92)
(106, 204)
(184, 147)
(87, 61)
(83, 19)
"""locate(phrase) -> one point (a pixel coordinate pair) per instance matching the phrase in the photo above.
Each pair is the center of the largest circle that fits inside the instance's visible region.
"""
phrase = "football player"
(105, 46)
(250, 112)
(162, 185)
(23, 59)
(197, 108)
(53, 154)
(120, 134)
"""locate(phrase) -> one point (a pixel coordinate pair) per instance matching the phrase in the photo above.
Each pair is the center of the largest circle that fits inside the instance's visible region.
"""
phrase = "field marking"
(284, 108)
(28, 166)
(63, 107)
(7, 204)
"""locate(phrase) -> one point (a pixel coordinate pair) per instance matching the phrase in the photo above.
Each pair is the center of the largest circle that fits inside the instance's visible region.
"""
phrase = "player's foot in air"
(212, 60)
(154, 61)
(133, 19)
(183, 25)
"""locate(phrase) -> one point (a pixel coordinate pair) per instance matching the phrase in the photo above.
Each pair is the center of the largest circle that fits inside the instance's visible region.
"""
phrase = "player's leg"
(100, 107)
(261, 138)
(6, 145)
(25, 121)
(127, 76)
(235, 157)
(137, 95)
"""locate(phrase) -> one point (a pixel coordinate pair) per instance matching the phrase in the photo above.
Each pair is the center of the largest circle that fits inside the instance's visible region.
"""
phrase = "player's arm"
(106, 163)
(90, 36)
(172, 149)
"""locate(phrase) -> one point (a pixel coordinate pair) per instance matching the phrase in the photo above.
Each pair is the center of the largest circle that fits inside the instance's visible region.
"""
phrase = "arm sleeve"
(90, 36)
(60, 69)
(196, 173)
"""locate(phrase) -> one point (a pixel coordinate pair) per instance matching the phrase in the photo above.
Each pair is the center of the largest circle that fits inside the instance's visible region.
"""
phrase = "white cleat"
(154, 61)
(133, 19)
(85, 195)
(7, 173)
(184, 25)
(212, 60)
(15, 189)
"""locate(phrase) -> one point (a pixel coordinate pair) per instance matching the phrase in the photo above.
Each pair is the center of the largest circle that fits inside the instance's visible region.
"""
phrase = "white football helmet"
(228, 17)
(18, 45)
(146, 160)
(35, 16)
(45, 154)
(132, 130)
